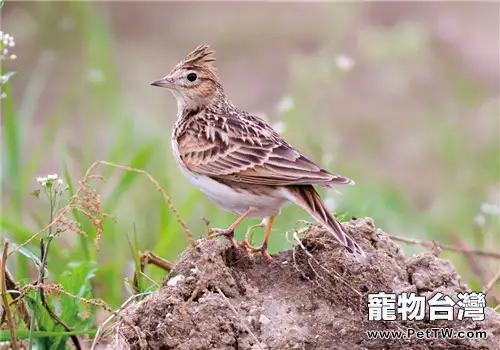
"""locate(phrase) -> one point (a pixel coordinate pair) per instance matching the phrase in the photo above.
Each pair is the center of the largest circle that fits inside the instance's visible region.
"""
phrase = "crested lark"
(238, 160)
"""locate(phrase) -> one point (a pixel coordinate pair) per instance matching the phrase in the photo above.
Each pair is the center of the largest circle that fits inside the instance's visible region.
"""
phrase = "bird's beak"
(163, 82)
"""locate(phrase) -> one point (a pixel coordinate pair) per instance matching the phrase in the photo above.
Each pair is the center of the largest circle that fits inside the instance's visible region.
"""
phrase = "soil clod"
(311, 297)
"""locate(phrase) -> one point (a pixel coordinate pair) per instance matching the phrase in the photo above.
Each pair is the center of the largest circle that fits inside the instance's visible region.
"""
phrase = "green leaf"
(20, 334)
(11, 152)
(27, 253)
(20, 232)
(59, 343)
(76, 280)
(42, 317)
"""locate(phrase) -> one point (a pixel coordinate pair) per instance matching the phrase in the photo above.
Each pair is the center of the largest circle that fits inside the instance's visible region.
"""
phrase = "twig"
(13, 291)
(337, 276)
(62, 213)
(297, 240)
(490, 284)
(76, 198)
(58, 289)
(241, 320)
(432, 244)
(150, 279)
(476, 262)
(148, 258)
(60, 216)
(303, 274)
(167, 199)
(114, 314)
(56, 318)
(5, 301)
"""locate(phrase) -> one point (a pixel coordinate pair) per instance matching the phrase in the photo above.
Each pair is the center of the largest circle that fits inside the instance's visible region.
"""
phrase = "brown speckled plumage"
(236, 158)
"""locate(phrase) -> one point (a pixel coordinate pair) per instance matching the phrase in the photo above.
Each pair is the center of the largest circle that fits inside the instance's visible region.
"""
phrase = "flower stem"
(52, 194)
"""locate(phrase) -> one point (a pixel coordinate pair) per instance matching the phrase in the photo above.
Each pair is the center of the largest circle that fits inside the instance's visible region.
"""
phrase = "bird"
(238, 160)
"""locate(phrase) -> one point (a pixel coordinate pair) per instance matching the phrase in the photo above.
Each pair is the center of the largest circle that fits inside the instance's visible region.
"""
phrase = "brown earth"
(312, 297)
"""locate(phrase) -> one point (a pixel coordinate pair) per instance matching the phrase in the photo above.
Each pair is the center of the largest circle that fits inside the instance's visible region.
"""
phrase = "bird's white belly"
(235, 201)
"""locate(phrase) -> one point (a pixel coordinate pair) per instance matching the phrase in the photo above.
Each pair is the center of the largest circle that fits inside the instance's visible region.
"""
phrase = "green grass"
(144, 221)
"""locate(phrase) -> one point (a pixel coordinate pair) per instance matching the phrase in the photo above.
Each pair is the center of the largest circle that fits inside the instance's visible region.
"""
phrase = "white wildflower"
(49, 179)
(7, 39)
(344, 62)
(286, 104)
(6, 42)
(491, 209)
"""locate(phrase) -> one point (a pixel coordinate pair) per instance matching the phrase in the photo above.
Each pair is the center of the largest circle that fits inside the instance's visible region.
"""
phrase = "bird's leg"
(228, 232)
(248, 234)
(263, 247)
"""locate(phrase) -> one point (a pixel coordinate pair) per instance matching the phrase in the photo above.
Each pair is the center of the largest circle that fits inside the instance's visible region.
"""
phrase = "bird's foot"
(217, 232)
(248, 234)
(262, 249)
(226, 232)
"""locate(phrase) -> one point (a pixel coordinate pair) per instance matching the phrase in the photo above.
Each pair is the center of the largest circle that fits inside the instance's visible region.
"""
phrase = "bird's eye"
(192, 77)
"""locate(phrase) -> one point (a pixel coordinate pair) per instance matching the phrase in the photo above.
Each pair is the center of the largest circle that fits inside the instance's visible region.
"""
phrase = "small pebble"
(253, 310)
(264, 320)
(174, 280)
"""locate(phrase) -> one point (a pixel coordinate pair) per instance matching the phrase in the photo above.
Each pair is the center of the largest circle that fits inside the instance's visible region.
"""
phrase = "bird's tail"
(308, 199)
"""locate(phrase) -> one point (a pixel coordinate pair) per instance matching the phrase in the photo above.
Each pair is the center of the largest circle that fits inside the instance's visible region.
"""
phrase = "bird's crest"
(200, 57)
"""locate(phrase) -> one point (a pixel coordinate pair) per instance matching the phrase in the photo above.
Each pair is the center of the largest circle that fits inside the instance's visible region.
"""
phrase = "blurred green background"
(401, 97)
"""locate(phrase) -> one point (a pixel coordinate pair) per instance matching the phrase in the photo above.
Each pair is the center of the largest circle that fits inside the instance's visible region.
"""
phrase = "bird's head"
(193, 82)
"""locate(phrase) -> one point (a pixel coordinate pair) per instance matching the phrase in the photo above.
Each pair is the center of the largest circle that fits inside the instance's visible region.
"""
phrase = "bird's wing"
(247, 150)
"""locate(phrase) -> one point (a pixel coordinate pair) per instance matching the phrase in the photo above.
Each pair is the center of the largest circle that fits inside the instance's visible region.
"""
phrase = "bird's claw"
(248, 234)
(226, 232)
(262, 250)
(217, 232)
(229, 234)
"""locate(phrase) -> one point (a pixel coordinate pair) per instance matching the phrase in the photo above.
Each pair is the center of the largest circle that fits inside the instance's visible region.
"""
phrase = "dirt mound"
(312, 297)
